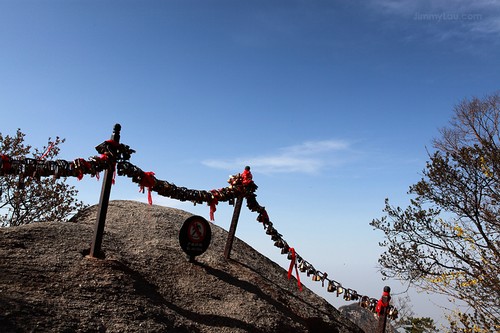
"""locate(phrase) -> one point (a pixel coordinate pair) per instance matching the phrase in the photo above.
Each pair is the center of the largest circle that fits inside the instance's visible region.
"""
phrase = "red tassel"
(148, 180)
(47, 151)
(104, 158)
(382, 303)
(213, 205)
(246, 176)
(81, 166)
(5, 162)
(293, 263)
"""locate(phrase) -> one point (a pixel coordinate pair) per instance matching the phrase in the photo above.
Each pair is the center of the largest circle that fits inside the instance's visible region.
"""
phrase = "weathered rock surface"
(145, 282)
(364, 318)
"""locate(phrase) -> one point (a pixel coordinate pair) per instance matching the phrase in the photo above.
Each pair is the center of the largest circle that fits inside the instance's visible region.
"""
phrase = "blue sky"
(332, 103)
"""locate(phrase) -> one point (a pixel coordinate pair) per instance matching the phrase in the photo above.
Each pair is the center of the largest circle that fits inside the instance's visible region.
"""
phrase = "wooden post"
(95, 250)
(232, 228)
(382, 320)
(382, 315)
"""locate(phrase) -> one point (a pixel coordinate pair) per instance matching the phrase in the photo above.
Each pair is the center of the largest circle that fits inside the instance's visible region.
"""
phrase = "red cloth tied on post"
(5, 162)
(104, 158)
(213, 204)
(293, 263)
(148, 180)
(383, 303)
(81, 166)
(246, 176)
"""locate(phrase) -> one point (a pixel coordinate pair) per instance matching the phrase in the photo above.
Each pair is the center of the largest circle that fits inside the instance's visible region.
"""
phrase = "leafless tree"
(28, 198)
(448, 239)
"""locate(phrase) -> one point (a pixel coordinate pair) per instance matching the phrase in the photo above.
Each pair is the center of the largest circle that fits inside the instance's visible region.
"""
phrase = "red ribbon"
(293, 263)
(104, 157)
(381, 305)
(148, 180)
(85, 164)
(246, 177)
(5, 162)
(213, 205)
(47, 151)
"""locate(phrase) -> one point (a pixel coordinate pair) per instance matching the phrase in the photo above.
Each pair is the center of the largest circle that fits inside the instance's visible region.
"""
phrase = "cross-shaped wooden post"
(95, 249)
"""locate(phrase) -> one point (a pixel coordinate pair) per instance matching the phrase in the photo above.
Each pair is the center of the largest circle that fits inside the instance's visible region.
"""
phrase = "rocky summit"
(143, 281)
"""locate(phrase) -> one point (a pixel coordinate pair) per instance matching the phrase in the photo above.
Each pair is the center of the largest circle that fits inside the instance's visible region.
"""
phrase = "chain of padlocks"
(115, 156)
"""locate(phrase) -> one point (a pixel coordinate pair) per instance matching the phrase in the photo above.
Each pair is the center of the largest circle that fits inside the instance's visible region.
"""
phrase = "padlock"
(201, 197)
(29, 166)
(125, 152)
(63, 169)
(18, 167)
(102, 148)
(51, 167)
(263, 217)
(122, 168)
(351, 294)
(393, 313)
(316, 276)
(373, 304)
(285, 249)
(267, 224)
(40, 169)
(365, 302)
(347, 295)
(323, 278)
(303, 266)
(354, 295)
(331, 287)
(340, 290)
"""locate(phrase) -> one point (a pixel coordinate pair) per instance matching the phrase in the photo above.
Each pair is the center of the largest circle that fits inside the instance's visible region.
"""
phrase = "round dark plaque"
(195, 236)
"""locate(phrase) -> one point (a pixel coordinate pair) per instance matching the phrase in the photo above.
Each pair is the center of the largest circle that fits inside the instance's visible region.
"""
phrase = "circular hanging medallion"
(195, 236)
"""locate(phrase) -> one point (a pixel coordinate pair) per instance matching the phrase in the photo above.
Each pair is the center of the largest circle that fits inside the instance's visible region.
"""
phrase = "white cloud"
(491, 26)
(315, 147)
(309, 157)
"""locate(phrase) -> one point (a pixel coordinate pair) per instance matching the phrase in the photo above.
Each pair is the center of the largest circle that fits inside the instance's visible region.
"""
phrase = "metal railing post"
(382, 315)
(95, 249)
(232, 228)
